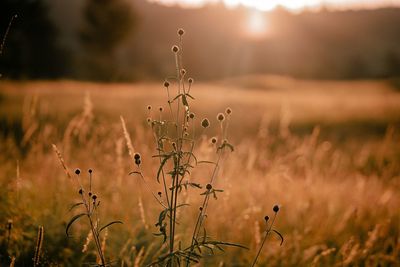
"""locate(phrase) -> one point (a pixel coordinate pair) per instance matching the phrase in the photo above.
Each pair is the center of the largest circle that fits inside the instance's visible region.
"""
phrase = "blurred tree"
(31, 49)
(106, 24)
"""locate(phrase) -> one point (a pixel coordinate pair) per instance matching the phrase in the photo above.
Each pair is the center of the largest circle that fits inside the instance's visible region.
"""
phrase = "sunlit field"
(326, 152)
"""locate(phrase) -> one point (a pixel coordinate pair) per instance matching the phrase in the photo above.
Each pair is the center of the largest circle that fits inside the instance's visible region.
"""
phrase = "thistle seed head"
(181, 32)
(205, 123)
(220, 117)
(275, 208)
(175, 49)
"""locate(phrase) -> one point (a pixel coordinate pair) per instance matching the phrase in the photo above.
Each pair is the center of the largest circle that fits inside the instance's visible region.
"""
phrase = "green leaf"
(109, 224)
(73, 219)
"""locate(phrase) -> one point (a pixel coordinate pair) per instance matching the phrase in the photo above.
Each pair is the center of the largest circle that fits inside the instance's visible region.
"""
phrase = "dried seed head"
(208, 186)
(159, 193)
(148, 120)
(77, 171)
(183, 72)
(205, 123)
(190, 80)
(136, 156)
(148, 107)
(94, 197)
(174, 145)
(166, 84)
(214, 140)
(181, 32)
(275, 208)
(160, 109)
(9, 224)
(191, 115)
(266, 218)
(90, 194)
(220, 117)
(201, 208)
(80, 191)
(90, 170)
(228, 111)
(175, 49)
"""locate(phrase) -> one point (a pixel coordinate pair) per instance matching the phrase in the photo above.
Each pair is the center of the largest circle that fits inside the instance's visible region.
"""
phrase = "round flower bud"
(90, 171)
(266, 218)
(205, 123)
(220, 117)
(181, 32)
(175, 49)
(275, 208)
(77, 171)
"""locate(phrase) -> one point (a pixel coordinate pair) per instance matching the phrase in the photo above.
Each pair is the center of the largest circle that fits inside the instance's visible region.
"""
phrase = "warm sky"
(291, 4)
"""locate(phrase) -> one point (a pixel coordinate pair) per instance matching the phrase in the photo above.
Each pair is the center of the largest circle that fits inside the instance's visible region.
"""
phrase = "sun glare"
(295, 5)
(256, 25)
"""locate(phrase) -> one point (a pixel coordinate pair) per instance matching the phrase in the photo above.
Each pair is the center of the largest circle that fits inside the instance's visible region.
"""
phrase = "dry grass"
(337, 184)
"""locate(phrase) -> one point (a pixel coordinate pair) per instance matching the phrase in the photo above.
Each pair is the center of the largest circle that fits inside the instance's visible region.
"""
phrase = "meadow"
(326, 152)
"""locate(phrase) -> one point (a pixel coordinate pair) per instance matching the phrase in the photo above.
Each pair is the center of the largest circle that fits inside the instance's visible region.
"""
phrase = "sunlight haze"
(266, 5)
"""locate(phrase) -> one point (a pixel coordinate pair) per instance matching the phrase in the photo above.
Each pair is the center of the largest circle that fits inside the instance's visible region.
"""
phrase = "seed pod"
(175, 49)
(181, 32)
(205, 123)
(275, 208)
(220, 117)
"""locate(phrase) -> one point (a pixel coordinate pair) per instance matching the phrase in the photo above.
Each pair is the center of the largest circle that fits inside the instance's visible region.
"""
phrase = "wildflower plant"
(90, 204)
(174, 131)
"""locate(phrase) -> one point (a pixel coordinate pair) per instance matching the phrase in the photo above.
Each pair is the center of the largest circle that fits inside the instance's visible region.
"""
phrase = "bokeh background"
(315, 91)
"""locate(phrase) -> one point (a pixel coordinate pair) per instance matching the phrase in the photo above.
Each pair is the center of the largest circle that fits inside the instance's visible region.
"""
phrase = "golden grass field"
(328, 152)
